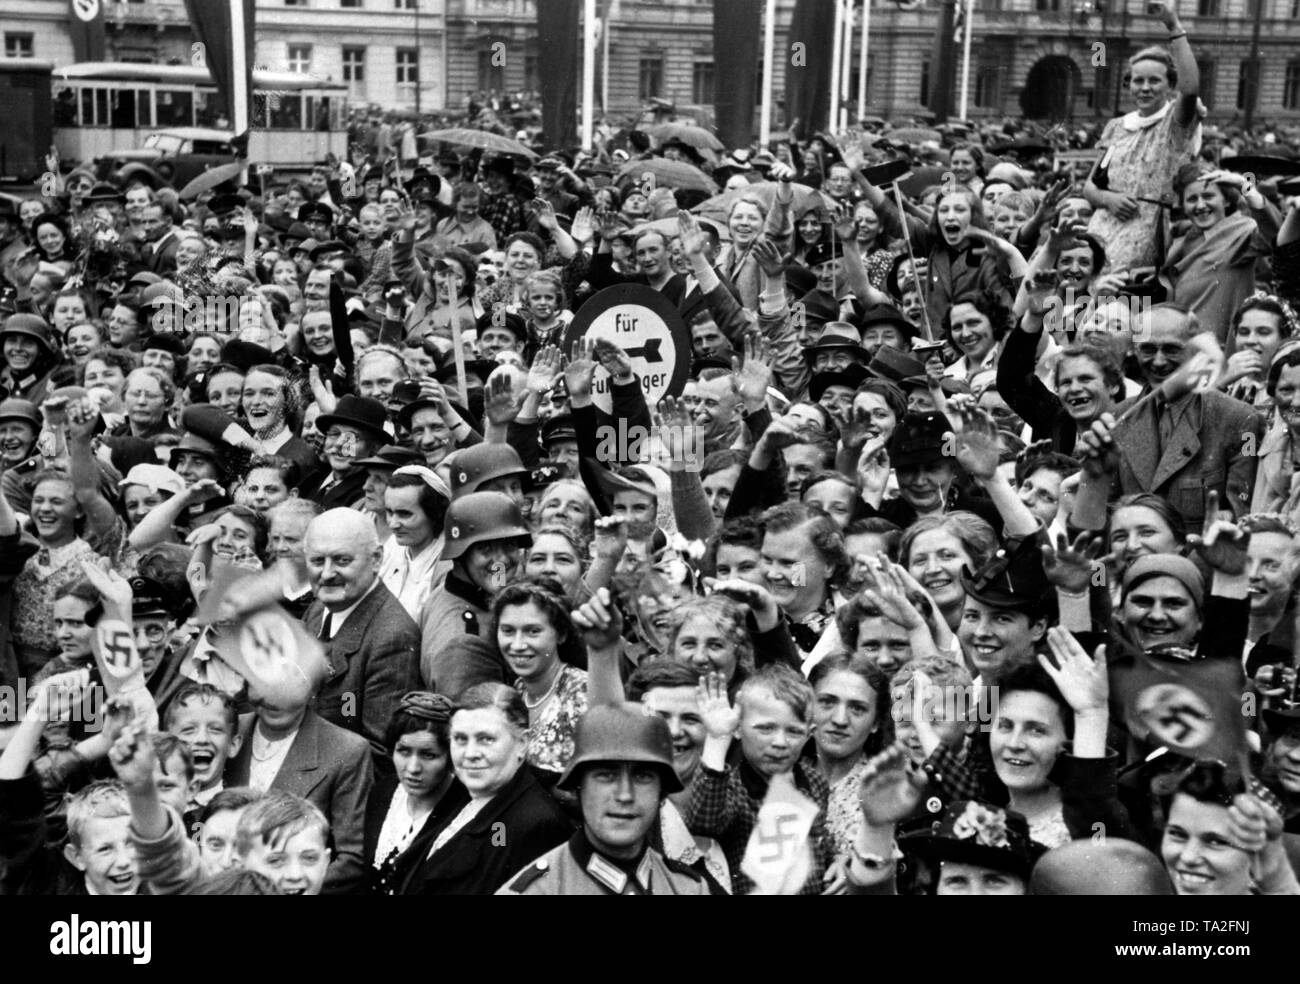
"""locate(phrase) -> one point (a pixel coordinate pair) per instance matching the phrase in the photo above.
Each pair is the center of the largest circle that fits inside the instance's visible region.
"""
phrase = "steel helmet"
(622, 733)
(479, 517)
(482, 463)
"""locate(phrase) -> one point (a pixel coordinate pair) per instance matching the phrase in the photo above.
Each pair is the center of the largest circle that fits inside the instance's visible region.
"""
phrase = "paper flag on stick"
(222, 574)
(1193, 707)
(122, 670)
(779, 857)
(276, 655)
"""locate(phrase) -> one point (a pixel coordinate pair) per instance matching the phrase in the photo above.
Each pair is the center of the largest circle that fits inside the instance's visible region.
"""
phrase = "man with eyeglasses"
(156, 612)
(355, 430)
(1180, 444)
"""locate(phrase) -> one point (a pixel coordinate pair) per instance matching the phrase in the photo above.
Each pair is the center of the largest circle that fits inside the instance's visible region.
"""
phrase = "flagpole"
(769, 51)
(837, 52)
(967, 22)
(604, 58)
(588, 71)
(846, 67)
(239, 63)
(862, 67)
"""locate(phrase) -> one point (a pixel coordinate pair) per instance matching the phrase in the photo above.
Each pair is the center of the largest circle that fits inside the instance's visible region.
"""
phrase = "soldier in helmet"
(489, 468)
(484, 536)
(622, 768)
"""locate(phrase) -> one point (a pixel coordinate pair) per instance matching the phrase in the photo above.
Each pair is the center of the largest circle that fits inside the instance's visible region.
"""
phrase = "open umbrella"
(671, 174)
(719, 206)
(920, 179)
(1023, 147)
(1267, 165)
(668, 226)
(212, 177)
(144, 172)
(482, 139)
(914, 135)
(687, 133)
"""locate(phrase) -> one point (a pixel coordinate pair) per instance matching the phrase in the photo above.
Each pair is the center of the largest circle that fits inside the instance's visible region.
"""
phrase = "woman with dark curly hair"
(422, 790)
(532, 626)
(1259, 326)
(975, 327)
(272, 404)
(52, 241)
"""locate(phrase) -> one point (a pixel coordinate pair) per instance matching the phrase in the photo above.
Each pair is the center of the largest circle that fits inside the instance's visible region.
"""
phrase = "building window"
(651, 75)
(1207, 8)
(1048, 5)
(1205, 68)
(1252, 9)
(408, 74)
(349, 3)
(19, 45)
(491, 70)
(300, 58)
(354, 72)
(925, 82)
(1291, 86)
(702, 83)
(988, 87)
(532, 75)
(295, 3)
(1244, 77)
(404, 4)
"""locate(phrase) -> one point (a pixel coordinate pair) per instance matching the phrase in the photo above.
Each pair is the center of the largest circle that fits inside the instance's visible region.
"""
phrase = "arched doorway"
(1050, 87)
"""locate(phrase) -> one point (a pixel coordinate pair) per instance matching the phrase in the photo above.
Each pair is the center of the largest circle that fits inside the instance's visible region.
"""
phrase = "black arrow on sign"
(649, 351)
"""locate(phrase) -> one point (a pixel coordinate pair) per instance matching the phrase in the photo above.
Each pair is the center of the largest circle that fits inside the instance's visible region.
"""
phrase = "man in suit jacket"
(355, 430)
(371, 644)
(322, 763)
(1184, 447)
(159, 253)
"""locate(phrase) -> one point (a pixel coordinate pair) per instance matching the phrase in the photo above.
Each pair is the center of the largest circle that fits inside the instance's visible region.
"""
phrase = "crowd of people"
(956, 460)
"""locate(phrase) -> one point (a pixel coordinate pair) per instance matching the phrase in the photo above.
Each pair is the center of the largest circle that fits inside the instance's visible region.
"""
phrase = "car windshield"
(166, 142)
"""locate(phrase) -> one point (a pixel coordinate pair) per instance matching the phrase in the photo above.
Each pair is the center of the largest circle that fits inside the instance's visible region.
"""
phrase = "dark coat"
(345, 494)
(519, 824)
(389, 878)
(374, 659)
(29, 866)
(330, 767)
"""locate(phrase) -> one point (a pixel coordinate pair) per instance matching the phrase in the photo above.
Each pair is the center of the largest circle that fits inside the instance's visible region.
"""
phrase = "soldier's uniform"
(611, 733)
(576, 868)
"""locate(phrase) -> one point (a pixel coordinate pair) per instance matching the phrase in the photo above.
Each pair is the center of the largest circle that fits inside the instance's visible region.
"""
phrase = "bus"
(104, 108)
(25, 135)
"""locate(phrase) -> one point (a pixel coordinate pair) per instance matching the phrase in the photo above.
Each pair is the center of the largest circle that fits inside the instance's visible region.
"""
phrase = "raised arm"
(1189, 75)
(977, 453)
(565, 244)
(600, 627)
(81, 417)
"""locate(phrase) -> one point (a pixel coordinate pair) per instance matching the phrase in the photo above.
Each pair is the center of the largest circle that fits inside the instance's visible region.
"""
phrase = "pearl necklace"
(550, 692)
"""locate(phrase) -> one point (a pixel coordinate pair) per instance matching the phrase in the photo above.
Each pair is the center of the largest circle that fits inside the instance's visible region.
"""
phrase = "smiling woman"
(462, 853)
(1202, 845)
(532, 623)
(63, 507)
(1145, 148)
